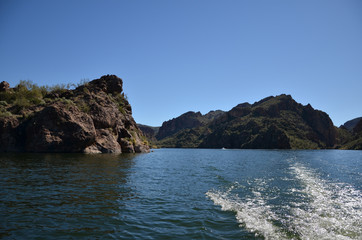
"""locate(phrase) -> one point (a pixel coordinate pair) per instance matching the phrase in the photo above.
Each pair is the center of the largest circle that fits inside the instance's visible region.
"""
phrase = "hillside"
(349, 125)
(93, 118)
(149, 132)
(186, 121)
(353, 133)
(272, 123)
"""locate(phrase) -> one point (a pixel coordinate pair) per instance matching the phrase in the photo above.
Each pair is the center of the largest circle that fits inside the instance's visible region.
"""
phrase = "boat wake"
(334, 211)
(315, 209)
(252, 213)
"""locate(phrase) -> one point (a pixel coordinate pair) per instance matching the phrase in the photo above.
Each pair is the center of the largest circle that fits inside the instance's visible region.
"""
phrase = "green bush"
(5, 114)
(27, 94)
(83, 106)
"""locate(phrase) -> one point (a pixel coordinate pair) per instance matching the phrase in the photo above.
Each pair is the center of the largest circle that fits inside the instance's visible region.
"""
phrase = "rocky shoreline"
(96, 117)
(92, 118)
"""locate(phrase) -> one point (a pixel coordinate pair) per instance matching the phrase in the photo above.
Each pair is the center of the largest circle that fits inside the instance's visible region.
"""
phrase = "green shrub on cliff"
(26, 94)
(23, 95)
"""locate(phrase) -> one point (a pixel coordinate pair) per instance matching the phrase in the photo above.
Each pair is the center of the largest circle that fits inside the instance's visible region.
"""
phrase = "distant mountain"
(272, 123)
(149, 132)
(187, 120)
(353, 137)
(358, 127)
(349, 125)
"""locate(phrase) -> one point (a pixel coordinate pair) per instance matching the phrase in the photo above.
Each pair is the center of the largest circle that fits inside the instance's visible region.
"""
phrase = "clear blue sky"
(176, 56)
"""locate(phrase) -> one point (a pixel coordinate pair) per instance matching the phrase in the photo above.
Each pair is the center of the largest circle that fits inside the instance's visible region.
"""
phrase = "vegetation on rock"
(94, 117)
(351, 133)
(272, 123)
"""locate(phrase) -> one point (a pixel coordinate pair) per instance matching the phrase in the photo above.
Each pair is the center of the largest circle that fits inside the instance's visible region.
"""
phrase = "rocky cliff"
(351, 134)
(272, 123)
(349, 125)
(186, 121)
(93, 118)
(149, 132)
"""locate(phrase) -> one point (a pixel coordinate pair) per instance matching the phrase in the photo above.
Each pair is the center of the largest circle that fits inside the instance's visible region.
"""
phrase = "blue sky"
(177, 56)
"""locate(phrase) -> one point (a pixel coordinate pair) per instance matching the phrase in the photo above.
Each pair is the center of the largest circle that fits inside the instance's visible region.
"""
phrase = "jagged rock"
(93, 118)
(127, 146)
(4, 86)
(106, 142)
(107, 84)
(186, 121)
(8, 134)
(321, 124)
(349, 125)
(273, 122)
(149, 132)
(59, 128)
(358, 127)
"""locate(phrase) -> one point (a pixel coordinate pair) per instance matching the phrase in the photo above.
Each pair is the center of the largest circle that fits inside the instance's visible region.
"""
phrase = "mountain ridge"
(273, 122)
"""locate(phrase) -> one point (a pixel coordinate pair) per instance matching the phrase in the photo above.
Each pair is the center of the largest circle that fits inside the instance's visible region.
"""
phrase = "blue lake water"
(182, 194)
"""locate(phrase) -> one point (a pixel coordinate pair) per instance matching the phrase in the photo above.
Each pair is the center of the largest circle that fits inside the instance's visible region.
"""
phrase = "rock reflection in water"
(62, 191)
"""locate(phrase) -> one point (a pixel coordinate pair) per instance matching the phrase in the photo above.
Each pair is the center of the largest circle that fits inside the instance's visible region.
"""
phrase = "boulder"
(4, 86)
(59, 128)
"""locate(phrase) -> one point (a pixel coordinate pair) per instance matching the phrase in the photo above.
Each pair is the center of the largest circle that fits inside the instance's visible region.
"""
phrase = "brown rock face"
(93, 118)
(321, 124)
(358, 128)
(4, 86)
(105, 142)
(8, 134)
(59, 128)
(107, 84)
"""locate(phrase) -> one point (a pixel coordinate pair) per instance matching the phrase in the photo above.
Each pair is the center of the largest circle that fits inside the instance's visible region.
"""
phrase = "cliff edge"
(92, 118)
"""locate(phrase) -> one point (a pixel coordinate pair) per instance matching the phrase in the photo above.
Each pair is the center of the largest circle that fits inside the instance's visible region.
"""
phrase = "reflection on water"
(42, 192)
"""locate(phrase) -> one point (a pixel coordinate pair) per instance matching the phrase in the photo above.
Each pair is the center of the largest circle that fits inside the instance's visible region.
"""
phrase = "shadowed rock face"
(59, 128)
(4, 86)
(358, 127)
(186, 121)
(272, 123)
(8, 134)
(351, 124)
(350, 134)
(93, 118)
(149, 132)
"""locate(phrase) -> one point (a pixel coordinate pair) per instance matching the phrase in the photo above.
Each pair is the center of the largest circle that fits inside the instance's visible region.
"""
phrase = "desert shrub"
(120, 99)
(83, 81)
(82, 106)
(86, 90)
(26, 94)
(121, 109)
(22, 103)
(7, 96)
(5, 114)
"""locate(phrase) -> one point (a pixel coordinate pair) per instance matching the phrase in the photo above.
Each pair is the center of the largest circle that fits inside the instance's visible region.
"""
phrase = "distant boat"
(223, 148)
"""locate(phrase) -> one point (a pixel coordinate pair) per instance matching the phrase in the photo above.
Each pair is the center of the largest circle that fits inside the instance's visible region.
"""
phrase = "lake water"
(182, 194)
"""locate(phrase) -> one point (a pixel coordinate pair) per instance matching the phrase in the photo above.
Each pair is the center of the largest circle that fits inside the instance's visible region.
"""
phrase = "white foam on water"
(253, 214)
(331, 210)
(324, 210)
